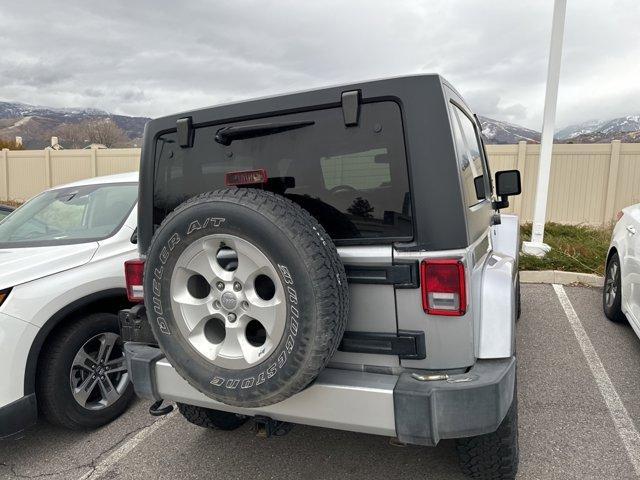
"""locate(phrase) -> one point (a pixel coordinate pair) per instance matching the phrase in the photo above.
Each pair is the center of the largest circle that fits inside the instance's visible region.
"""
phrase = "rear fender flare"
(496, 337)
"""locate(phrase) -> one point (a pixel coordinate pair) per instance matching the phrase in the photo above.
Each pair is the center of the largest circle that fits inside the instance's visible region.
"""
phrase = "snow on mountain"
(578, 129)
(16, 110)
(626, 129)
(497, 132)
(621, 128)
(36, 124)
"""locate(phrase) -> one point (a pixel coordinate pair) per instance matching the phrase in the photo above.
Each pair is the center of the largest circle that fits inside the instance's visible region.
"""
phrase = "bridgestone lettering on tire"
(246, 295)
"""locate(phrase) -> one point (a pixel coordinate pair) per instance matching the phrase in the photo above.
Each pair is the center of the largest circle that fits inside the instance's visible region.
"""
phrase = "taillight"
(443, 287)
(247, 177)
(133, 274)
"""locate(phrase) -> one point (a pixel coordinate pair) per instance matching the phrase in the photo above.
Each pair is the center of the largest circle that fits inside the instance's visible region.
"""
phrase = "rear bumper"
(416, 412)
(17, 416)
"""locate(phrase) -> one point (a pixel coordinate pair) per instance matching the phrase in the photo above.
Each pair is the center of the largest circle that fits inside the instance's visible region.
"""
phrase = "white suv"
(621, 293)
(61, 286)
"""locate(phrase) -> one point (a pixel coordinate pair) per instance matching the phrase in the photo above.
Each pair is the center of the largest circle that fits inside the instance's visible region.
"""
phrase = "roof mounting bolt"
(220, 286)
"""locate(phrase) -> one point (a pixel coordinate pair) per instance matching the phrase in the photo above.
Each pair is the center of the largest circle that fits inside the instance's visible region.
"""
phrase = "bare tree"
(10, 144)
(72, 135)
(102, 130)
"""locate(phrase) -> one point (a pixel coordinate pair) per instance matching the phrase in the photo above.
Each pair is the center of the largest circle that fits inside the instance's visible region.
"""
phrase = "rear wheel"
(493, 456)
(208, 418)
(611, 294)
(82, 374)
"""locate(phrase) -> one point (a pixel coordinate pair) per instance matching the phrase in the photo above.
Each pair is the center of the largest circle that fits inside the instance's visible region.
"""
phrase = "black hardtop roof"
(398, 87)
(431, 156)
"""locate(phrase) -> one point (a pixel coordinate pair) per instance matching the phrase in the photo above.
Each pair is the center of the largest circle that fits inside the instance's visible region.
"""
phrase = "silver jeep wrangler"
(333, 258)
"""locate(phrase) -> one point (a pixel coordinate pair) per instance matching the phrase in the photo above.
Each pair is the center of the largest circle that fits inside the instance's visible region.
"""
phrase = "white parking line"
(621, 419)
(123, 450)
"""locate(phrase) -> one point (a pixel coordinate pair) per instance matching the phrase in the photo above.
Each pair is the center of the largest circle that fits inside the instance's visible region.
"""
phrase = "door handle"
(631, 229)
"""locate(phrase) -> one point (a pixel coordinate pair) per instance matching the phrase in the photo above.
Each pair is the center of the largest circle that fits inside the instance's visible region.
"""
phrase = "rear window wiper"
(226, 135)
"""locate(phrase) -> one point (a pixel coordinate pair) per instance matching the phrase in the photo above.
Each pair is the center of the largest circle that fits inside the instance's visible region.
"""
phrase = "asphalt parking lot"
(578, 403)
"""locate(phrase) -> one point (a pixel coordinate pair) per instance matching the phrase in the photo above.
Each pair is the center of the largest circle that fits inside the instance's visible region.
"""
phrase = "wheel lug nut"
(237, 286)
(232, 317)
(245, 304)
(217, 305)
(220, 285)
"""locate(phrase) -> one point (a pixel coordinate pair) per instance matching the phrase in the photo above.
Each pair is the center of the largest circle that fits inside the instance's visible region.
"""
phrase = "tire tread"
(493, 456)
(329, 280)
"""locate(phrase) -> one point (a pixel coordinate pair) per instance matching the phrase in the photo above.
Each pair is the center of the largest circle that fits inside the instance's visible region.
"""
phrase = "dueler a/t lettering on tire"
(246, 295)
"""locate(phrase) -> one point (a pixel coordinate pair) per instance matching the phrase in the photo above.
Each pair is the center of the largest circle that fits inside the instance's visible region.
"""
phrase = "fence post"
(47, 167)
(520, 165)
(94, 162)
(4, 170)
(614, 163)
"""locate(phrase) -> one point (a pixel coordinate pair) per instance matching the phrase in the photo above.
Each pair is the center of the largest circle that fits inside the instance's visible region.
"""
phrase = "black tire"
(309, 266)
(493, 456)
(613, 311)
(53, 388)
(214, 419)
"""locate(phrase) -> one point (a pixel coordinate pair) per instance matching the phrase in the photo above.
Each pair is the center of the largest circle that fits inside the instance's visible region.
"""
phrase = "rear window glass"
(353, 180)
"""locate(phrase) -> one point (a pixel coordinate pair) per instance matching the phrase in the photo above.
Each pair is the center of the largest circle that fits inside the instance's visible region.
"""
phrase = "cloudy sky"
(151, 58)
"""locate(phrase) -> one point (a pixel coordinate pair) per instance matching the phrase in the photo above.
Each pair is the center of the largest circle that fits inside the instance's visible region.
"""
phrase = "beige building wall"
(589, 183)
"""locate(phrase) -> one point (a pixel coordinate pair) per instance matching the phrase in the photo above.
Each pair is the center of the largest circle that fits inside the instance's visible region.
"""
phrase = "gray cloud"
(158, 57)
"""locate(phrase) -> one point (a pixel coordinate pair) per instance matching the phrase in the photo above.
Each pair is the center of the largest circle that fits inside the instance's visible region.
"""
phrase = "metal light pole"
(537, 246)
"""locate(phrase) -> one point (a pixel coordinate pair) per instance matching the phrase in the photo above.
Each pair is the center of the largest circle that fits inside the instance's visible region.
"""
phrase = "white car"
(621, 297)
(61, 286)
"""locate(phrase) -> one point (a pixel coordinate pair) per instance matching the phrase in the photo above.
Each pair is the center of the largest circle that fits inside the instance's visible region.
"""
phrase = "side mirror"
(507, 184)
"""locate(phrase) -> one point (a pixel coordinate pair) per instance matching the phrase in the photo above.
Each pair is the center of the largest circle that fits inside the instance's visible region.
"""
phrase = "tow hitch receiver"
(267, 427)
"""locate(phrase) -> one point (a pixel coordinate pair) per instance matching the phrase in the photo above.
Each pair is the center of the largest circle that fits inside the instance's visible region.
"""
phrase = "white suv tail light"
(443, 287)
(133, 274)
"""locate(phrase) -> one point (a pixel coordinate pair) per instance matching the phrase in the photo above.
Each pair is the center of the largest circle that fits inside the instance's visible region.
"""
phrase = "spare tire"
(246, 295)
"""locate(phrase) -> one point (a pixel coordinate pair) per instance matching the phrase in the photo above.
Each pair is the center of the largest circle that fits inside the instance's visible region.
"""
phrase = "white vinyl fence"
(589, 182)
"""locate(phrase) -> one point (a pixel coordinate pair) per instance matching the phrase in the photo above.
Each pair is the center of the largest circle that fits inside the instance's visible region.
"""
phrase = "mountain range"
(497, 132)
(625, 128)
(37, 124)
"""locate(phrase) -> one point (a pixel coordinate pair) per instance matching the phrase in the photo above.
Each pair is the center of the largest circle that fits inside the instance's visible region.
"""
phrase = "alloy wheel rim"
(99, 375)
(610, 287)
(228, 301)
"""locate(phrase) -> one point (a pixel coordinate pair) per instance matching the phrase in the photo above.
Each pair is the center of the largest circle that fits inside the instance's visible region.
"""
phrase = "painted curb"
(560, 277)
